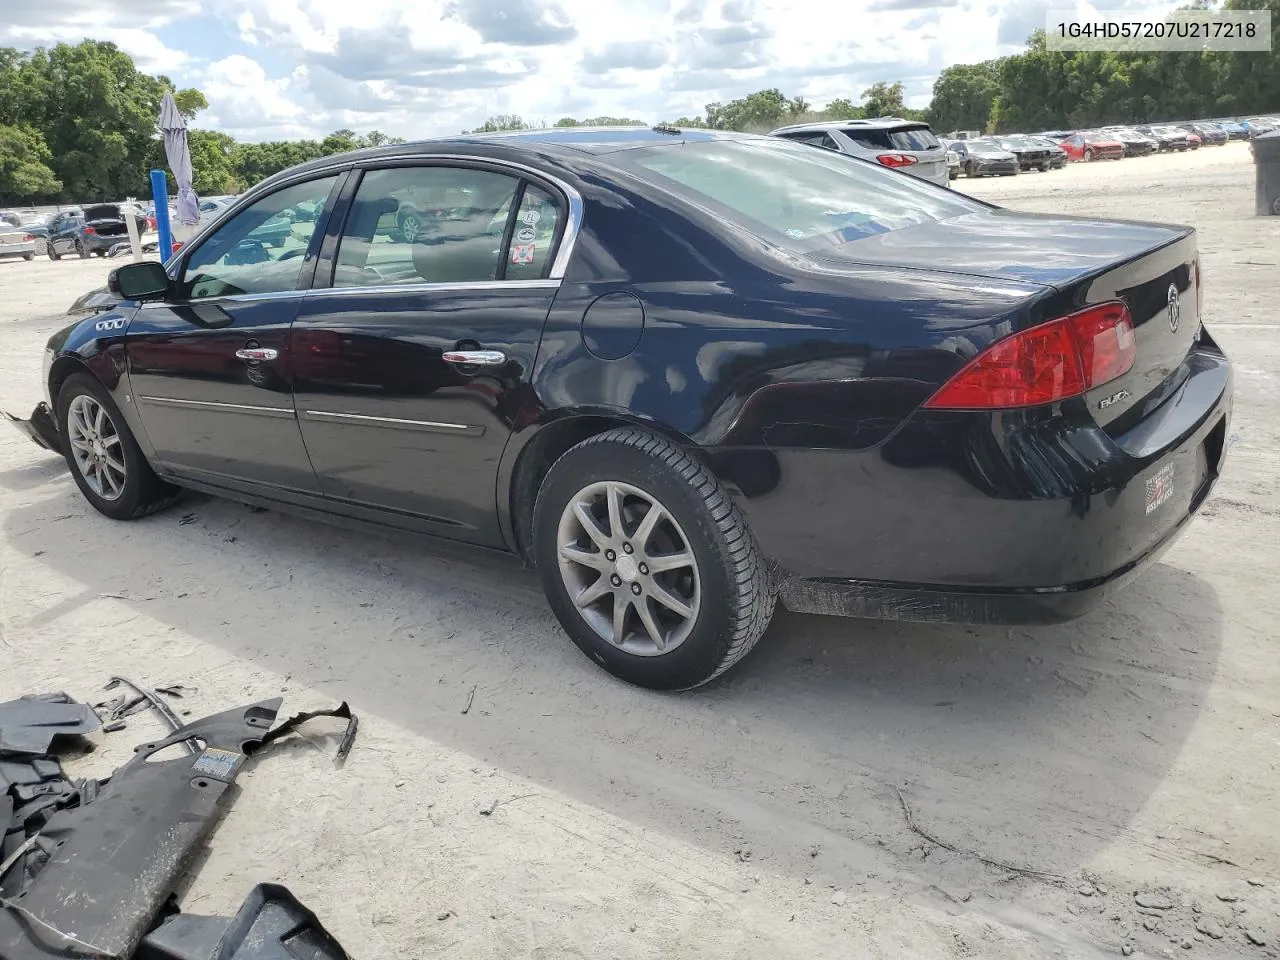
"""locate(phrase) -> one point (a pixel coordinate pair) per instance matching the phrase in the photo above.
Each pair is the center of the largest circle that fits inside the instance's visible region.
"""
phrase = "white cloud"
(306, 67)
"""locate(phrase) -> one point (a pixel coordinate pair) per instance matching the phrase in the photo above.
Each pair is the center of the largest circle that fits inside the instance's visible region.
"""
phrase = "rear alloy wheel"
(647, 563)
(105, 460)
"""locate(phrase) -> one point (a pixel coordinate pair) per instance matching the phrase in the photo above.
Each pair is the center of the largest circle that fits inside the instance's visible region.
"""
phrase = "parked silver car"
(16, 242)
(905, 145)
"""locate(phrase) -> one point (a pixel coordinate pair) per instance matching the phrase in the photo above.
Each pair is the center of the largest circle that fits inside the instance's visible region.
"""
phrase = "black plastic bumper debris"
(40, 427)
(1266, 158)
(271, 925)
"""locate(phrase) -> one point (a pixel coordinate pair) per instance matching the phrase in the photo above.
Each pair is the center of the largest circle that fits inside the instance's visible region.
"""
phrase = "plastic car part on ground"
(30, 724)
(92, 870)
(271, 925)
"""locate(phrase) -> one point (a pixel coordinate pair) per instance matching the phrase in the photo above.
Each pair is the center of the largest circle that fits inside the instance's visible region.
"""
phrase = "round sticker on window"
(527, 235)
(531, 217)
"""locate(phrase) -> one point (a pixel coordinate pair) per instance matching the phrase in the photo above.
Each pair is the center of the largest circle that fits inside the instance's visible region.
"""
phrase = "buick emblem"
(1175, 308)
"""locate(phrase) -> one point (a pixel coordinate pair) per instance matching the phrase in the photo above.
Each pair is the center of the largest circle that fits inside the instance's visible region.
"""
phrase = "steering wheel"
(291, 254)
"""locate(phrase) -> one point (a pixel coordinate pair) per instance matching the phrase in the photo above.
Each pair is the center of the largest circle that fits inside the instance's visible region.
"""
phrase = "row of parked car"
(92, 230)
(910, 146)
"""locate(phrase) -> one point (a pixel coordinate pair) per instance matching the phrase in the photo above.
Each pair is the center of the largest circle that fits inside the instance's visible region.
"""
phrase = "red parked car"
(1092, 146)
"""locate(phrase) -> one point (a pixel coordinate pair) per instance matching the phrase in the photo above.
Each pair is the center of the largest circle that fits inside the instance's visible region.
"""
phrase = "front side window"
(799, 198)
(431, 224)
(261, 249)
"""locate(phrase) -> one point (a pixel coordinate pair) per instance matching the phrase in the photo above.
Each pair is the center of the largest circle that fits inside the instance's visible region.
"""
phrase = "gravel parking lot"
(852, 789)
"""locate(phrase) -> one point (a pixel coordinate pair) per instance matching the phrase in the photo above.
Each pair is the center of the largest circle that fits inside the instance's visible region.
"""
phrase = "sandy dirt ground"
(851, 790)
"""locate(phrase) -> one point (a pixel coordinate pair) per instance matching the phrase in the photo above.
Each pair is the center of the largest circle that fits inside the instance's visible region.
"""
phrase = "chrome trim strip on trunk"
(471, 429)
(218, 406)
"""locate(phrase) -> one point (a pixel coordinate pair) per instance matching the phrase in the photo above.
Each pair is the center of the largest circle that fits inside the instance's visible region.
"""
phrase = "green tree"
(500, 123)
(842, 109)
(25, 175)
(759, 112)
(883, 100)
(95, 110)
(963, 95)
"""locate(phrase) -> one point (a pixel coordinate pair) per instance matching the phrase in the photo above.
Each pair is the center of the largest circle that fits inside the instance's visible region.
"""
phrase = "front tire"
(52, 254)
(648, 563)
(28, 257)
(105, 460)
(1088, 156)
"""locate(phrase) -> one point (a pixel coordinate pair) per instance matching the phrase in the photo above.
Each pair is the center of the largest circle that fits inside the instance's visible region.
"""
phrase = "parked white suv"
(905, 145)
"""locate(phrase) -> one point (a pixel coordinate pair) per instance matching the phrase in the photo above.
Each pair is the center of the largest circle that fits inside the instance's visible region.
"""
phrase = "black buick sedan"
(684, 373)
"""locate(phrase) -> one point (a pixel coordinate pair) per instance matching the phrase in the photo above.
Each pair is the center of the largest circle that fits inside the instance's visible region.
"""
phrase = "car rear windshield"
(917, 137)
(792, 195)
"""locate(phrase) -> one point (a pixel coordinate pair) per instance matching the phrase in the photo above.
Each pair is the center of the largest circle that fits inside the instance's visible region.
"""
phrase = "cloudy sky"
(275, 69)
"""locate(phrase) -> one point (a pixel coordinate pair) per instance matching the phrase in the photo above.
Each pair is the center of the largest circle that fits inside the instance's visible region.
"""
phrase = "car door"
(412, 365)
(62, 236)
(209, 366)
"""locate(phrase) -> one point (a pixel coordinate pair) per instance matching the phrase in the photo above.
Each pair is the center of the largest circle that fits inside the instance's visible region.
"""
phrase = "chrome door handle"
(257, 353)
(484, 358)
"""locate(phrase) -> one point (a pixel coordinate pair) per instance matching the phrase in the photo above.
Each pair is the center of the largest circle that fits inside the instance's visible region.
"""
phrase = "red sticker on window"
(522, 253)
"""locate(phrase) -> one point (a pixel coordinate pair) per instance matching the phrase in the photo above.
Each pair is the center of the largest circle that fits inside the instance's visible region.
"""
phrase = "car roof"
(880, 123)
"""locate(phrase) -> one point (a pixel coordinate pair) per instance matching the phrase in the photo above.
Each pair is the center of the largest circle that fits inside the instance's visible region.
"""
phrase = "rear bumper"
(1013, 518)
(18, 249)
(40, 427)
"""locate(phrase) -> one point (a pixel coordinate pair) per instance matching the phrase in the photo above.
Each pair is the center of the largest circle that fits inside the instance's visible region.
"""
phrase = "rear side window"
(430, 224)
(796, 197)
(814, 139)
(896, 138)
(533, 235)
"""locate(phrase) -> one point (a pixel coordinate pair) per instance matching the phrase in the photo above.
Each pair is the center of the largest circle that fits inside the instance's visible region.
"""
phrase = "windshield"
(793, 195)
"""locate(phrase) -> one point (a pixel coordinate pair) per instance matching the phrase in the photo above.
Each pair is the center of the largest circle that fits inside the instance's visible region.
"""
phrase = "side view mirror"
(139, 281)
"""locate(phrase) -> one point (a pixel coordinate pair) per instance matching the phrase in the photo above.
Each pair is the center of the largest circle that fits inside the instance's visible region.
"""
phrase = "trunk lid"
(1079, 262)
(107, 219)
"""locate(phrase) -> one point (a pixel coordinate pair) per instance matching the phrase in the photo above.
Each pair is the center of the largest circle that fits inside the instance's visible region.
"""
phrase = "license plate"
(1160, 488)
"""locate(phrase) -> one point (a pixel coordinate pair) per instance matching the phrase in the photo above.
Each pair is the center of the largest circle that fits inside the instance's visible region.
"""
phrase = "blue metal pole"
(160, 195)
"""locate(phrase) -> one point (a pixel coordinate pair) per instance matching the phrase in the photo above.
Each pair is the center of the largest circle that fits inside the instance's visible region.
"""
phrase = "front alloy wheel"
(105, 460)
(95, 446)
(628, 568)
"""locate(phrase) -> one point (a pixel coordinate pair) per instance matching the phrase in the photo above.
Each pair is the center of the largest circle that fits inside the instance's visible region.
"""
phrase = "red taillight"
(1053, 361)
(29, 238)
(177, 245)
(896, 159)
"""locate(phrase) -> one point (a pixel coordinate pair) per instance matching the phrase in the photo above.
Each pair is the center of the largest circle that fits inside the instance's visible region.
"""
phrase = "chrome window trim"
(394, 422)
(217, 406)
(568, 240)
(476, 285)
(461, 287)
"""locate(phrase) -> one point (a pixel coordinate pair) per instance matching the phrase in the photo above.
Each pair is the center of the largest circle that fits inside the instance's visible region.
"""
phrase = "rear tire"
(28, 257)
(104, 458)
(679, 626)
